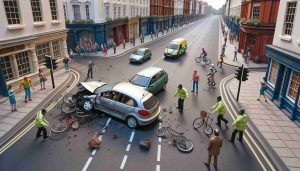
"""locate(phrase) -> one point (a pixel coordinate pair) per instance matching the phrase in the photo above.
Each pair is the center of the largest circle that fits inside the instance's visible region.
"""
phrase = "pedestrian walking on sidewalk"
(182, 94)
(72, 56)
(225, 40)
(239, 126)
(124, 43)
(95, 48)
(90, 69)
(221, 61)
(104, 49)
(195, 81)
(77, 49)
(223, 49)
(151, 34)
(26, 84)
(115, 47)
(43, 78)
(235, 54)
(12, 98)
(220, 109)
(214, 146)
(40, 123)
(262, 90)
(66, 63)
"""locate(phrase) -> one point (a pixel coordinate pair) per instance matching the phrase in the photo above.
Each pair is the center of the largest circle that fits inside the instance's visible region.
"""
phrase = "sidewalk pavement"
(8, 119)
(282, 134)
(229, 53)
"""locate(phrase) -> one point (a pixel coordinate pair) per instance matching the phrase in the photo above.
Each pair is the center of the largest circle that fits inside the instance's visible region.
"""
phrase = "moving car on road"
(125, 101)
(151, 79)
(176, 48)
(140, 55)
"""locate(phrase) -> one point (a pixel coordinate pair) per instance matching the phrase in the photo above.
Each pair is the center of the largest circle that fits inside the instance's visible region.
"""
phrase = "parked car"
(140, 55)
(152, 79)
(125, 101)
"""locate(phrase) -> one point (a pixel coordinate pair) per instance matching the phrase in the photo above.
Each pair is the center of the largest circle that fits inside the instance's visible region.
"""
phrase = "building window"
(273, 72)
(124, 10)
(115, 11)
(255, 11)
(53, 8)
(107, 10)
(42, 50)
(23, 63)
(119, 11)
(56, 49)
(289, 17)
(36, 10)
(65, 11)
(6, 68)
(76, 11)
(294, 85)
(12, 11)
(87, 12)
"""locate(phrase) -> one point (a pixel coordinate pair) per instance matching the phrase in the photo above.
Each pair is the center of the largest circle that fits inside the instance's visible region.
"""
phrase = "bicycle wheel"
(198, 122)
(208, 130)
(207, 61)
(161, 132)
(68, 107)
(184, 145)
(59, 126)
(198, 59)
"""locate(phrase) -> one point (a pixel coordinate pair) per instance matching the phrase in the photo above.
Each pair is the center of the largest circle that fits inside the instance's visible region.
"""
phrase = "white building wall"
(292, 42)
(139, 8)
(178, 7)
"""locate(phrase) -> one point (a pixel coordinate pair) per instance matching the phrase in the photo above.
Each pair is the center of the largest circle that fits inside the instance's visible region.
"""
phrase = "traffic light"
(238, 73)
(48, 62)
(245, 74)
(54, 63)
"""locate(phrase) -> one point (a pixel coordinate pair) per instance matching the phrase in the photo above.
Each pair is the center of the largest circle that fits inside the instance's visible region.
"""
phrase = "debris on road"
(146, 144)
(114, 136)
(94, 142)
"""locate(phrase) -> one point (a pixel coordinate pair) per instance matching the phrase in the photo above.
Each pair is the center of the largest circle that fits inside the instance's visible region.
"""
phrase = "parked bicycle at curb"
(182, 143)
(205, 120)
(204, 59)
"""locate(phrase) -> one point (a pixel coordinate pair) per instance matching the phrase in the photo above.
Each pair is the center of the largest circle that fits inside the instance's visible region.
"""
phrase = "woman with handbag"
(43, 78)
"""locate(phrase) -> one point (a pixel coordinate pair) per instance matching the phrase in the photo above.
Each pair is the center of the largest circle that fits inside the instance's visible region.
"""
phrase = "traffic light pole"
(51, 71)
(240, 82)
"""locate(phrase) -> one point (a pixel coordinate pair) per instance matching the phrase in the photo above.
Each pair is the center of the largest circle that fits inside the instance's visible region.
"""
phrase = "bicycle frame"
(208, 120)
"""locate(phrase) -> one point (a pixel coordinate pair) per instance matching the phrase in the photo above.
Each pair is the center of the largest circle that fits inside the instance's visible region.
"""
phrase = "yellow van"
(176, 48)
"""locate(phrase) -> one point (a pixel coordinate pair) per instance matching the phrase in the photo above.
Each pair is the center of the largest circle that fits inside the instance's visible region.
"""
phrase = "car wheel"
(164, 86)
(87, 106)
(132, 122)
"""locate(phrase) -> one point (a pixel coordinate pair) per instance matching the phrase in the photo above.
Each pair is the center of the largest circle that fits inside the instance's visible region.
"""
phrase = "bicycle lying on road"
(183, 144)
(201, 58)
(205, 120)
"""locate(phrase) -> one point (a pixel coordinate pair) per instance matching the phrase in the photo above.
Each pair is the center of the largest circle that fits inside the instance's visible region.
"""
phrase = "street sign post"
(51, 64)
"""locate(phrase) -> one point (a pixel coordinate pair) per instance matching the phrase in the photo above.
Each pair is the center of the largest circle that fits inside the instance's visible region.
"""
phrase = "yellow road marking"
(251, 138)
(25, 130)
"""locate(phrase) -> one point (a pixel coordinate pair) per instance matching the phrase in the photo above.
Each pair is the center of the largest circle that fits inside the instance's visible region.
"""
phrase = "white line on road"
(87, 164)
(157, 167)
(131, 136)
(159, 139)
(123, 162)
(158, 152)
(128, 147)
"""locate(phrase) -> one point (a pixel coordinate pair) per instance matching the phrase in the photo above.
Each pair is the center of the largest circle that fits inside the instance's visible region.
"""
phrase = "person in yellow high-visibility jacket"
(40, 123)
(220, 109)
(182, 94)
(239, 125)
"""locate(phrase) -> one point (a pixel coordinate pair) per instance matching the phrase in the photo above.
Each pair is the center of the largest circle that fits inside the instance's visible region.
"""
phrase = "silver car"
(140, 55)
(125, 101)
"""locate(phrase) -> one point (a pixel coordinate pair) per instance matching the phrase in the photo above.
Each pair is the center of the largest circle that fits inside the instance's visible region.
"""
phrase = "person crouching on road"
(215, 144)
(220, 109)
(239, 125)
(40, 123)
(182, 94)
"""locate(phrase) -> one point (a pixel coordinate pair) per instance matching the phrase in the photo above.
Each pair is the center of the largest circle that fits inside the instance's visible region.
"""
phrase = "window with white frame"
(273, 72)
(53, 8)
(255, 10)
(76, 12)
(124, 10)
(36, 10)
(65, 12)
(42, 50)
(289, 17)
(23, 63)
(56, 49)
(87, 12)
(115, 11)
(119, 11)
(107, 10)
(12, 12)
(294, 85)
(137, 10)
(6, 68)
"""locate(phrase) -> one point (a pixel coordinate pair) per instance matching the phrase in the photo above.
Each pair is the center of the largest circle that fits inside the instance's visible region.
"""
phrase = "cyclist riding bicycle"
(204, 53)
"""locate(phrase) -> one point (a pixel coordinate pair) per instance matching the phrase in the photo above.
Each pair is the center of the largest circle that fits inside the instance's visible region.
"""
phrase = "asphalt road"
(120, 146)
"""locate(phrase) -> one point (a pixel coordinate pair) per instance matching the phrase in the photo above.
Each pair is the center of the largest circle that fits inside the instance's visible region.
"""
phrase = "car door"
(105, 102)
(148, 54)
(152, 86)
(124, 106)
(159, 80)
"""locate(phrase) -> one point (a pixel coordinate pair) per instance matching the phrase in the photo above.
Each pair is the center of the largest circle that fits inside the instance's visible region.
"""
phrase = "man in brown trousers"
(215, 144)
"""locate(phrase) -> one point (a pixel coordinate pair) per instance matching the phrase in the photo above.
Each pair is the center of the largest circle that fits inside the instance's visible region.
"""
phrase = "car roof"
(149, 72)
(143, 49)
(126, 88)
(179, 40)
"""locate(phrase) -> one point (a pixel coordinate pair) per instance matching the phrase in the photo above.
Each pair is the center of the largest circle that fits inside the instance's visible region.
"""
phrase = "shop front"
(133, 27)
(144, 26)
(117, 31)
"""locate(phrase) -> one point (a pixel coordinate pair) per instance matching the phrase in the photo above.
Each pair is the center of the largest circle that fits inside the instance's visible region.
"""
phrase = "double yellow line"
(76, 75)
(233, 116)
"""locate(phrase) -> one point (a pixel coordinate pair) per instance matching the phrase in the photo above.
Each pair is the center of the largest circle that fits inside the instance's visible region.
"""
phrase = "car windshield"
(173, 46)
(103, 88)
(139, 52)
(139, 80)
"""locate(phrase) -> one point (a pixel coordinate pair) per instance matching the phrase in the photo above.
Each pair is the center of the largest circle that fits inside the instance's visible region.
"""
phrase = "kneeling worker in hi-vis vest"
(239, 125)
(40, 123)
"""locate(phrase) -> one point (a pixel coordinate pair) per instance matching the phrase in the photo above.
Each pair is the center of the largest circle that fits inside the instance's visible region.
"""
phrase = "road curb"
(30, 116)
(277, 161)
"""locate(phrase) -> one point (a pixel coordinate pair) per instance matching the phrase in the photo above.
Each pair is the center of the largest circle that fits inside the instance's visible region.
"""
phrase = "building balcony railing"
(79, 21)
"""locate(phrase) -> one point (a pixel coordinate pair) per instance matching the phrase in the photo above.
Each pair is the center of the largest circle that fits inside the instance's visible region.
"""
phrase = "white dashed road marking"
(87, 164)
(123, 162)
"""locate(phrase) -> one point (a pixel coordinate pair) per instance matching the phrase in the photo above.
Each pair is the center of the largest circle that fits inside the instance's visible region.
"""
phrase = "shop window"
(12, 11)
(53, 9)
(255, 11)
(273, 72)
(42, 50)
(289, 17)
(6, 68)
(76, 11)
(23, 63)
(294, 85)
(36, 10)
(56, 49)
